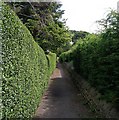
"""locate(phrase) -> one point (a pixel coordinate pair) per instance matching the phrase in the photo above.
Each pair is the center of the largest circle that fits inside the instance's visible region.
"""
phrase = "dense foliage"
(43, 19)
(77, 35)
(96, 57)
(51, 57)
(24, 68)
(68, 55)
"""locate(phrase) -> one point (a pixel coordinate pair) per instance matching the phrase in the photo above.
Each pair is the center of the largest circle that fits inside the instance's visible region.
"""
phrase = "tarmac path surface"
(61, 99)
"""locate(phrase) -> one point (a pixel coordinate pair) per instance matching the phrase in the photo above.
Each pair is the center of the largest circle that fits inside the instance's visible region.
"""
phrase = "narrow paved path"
(61, 100)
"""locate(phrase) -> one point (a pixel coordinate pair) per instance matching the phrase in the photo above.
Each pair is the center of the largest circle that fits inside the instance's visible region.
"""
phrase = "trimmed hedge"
(68, 55)
(25, 68)
(51, 57)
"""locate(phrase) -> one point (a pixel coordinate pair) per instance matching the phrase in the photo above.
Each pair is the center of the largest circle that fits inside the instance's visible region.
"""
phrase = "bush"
(51, 57)
(25, 68)
(68, 55)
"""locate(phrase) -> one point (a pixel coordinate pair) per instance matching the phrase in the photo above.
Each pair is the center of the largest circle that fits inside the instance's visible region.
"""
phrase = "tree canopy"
(43, 19)
(76, 35)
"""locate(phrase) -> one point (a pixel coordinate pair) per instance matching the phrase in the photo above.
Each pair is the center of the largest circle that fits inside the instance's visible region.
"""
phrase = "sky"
(83, 14)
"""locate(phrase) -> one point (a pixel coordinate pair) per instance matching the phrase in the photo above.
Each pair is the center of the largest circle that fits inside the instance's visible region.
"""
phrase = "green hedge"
(25, 68)
(96, 58)
(68, 55)
(51, 57)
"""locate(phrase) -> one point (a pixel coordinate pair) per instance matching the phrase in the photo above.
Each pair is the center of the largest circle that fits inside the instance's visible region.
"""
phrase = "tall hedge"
(96, 58)
(24, 68)
(68, 55)
(51, 57)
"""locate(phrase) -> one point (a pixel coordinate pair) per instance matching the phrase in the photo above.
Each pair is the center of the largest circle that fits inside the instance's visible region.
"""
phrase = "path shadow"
(61, 98)
(58, 88)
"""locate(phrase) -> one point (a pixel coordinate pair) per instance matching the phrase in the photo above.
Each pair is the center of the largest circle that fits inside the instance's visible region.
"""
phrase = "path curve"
(61, 100)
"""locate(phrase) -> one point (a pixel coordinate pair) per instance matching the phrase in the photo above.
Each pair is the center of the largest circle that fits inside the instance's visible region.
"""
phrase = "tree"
(44, 22)
(76, 35)
(110, 25)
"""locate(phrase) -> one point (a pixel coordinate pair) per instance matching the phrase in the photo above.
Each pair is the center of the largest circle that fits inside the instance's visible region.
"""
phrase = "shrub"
(68, 55)
(51, 57)
(25, 68)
